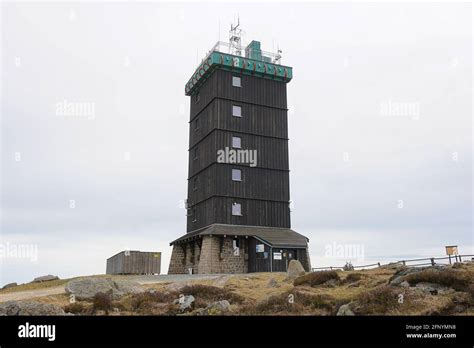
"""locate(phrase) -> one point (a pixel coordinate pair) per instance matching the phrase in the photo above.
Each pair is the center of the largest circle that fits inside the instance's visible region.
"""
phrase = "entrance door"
(281, 259)
(259, 256)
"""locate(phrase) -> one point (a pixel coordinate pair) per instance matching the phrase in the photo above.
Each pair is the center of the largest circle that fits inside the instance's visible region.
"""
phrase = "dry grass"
(380, 301)
(249, 294)
(35, 286)
(352, 278)
(316, 278)
(210, 293)
(147, 303)
(76, 308)
(291, 302)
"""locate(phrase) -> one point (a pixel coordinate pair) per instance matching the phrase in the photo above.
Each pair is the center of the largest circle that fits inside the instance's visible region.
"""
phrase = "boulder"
(215, 308)
(87, 288)
(45, 278)
(331, 283)
(29, 308)
(405, 284)
(295, 269)
(401, 274)
(433, 289)
(272, 283)
(185, 302)
(9, 285)
(345, 310)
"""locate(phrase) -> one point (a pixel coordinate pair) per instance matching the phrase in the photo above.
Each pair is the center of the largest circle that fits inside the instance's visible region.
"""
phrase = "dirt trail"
(27, 294)
(142, 280)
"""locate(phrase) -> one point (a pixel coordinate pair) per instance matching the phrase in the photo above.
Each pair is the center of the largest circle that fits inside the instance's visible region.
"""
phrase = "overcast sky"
(380, 126)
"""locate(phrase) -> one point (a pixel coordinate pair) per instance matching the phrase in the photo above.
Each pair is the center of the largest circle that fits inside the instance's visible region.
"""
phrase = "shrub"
(348, 266)
(290, 302)
(145, 301)
(102, 301)
(353, 277)
(458, 280)
(211, 293)
(316, 278)
(471, 294)
(279, 304)
(75, 308)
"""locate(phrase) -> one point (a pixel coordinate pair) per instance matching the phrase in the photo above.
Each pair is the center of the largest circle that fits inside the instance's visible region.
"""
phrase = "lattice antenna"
(277, 59)
(235, 39)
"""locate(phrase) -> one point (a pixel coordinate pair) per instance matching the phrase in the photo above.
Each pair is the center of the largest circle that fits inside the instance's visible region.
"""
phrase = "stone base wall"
(177, 264)
(212, 254)
(215, 254)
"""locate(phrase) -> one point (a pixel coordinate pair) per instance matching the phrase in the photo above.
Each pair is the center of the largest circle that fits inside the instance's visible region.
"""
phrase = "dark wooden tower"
(238, 182)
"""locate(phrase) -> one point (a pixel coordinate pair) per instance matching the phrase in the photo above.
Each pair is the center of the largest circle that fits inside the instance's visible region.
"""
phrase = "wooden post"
(460, 258)
(432, 261)
(449, 259)
(403, 263)
(378, 263)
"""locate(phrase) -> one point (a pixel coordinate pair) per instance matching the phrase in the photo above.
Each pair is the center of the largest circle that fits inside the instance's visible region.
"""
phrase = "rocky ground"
(389, 290)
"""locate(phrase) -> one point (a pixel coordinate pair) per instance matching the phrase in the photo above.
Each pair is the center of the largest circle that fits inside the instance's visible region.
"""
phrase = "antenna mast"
(235, 39)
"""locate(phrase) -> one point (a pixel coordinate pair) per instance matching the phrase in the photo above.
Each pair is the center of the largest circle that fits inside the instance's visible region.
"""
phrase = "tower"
(238, 216)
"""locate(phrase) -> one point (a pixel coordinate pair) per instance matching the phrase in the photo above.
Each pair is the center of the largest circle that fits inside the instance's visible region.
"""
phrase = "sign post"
(452, 250)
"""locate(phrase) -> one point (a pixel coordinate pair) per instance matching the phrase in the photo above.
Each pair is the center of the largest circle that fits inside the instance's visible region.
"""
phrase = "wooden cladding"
(254, 90)
(256, 183)
(261, 129)
(254, 213)
(256, 120)
(134, 262)
(271, 153)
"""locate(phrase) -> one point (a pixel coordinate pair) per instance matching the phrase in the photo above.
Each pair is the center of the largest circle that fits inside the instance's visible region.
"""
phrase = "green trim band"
(242, 65)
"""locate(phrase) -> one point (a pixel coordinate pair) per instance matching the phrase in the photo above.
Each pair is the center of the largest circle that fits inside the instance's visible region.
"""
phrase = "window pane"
(236, 81)
(236, 209)
(236, 142)
(236, 111)
(236, 175)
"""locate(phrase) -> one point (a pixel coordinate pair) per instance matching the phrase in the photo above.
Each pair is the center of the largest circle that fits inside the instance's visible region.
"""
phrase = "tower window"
(236, 175)
(197, 97)
(195, 183)
(196, 124)
(236, 111)
(236, 81)
(237, 142)
(236, 209)
(236, 242)
(236, 246)
(194, 215)
(196, 153)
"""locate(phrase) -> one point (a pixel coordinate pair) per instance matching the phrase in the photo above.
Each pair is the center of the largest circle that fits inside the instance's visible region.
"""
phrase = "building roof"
(273, 236)
(254, 62)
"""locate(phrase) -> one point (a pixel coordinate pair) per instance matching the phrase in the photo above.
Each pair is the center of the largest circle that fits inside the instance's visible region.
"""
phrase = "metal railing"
(432, 262)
